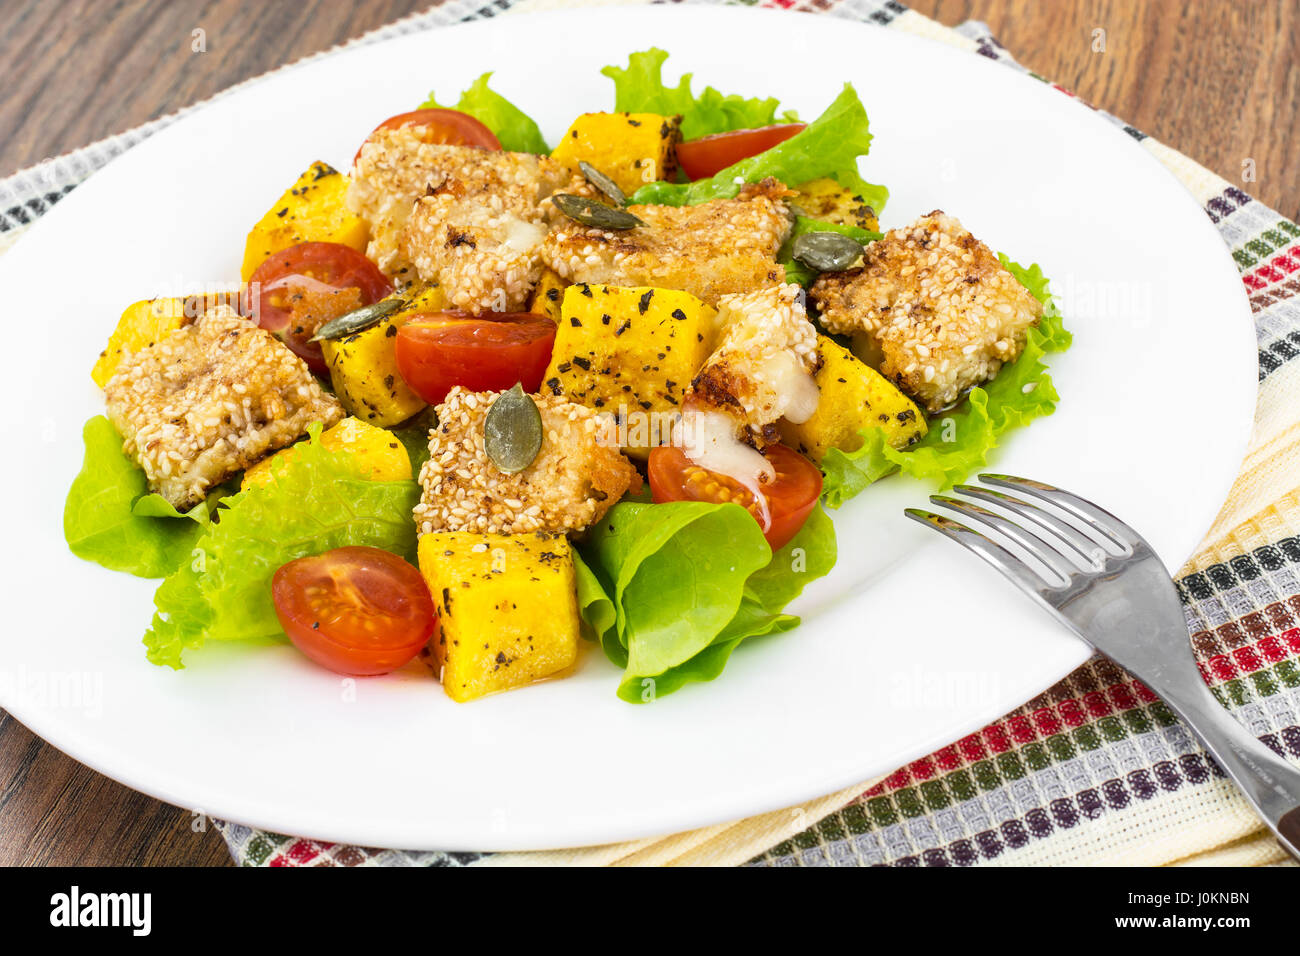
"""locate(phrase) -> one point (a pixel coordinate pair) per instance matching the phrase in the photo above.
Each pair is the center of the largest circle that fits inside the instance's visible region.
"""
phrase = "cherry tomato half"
(449, 127)
(299, 289)
(359, 611)
(790, 498)
(701, 158)
(489, 352)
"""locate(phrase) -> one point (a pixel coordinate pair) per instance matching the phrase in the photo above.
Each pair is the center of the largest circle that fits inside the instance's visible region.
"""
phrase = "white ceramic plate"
(909, 644)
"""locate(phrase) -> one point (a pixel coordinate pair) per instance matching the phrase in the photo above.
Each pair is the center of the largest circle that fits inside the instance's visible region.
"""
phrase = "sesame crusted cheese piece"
(479, 240)
(937, 305)
(709, 250)
(209, 400)
(761, 368)
(576, 477)
(395, 168)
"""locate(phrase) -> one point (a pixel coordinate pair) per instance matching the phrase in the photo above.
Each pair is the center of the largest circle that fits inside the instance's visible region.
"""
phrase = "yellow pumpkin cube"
(363, 366)
(827, 200)
(379, 453)
(507, 609)
(630, 148)
(141, 325)
(311, 210)
(548, 295)
(631, 352)
(854, 397)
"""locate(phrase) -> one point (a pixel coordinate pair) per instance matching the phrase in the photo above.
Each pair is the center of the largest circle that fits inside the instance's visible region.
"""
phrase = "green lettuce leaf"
(671, 590)
(639, 88)
(318, 501)
(515, 129)
(110, 517)
(830, 146)
(959, 443)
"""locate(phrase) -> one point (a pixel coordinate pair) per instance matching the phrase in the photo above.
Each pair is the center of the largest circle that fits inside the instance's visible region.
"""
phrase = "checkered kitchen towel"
(1095, 770)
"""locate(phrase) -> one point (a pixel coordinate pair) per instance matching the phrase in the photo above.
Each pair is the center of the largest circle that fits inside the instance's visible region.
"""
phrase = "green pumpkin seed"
(595, 214)
(358, 320)
(512, 431)
(603, 183)
(827, 251)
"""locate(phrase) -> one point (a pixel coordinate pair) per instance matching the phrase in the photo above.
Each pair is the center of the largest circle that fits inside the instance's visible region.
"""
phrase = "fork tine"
(1098, 519)
(992, 552)
(1053, 560)
(1064, 537)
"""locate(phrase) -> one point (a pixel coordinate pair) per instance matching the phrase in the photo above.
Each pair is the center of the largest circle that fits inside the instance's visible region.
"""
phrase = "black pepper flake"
(623, 328)
(554, 384)
(390, 332)
(646, 405)
(388, 381)
(585, 290)
(553, 295)
(645, 301)
(575, 322)
(563, 367)
(679, 315)
(582, 363)
(283, 212)
(604, 319)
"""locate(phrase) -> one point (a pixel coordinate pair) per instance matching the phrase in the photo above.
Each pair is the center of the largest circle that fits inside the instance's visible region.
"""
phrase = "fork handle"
(1268, 782)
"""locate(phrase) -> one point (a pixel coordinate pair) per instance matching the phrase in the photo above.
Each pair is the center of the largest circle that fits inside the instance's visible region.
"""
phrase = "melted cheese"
(797, 389)
(709, 439)
(521, 235)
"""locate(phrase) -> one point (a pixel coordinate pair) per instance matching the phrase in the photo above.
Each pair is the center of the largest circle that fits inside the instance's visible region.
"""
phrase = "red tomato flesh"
(357, 611)
(448, 127)
(703, 157)
(790, 498)
(489, 352)
(297, 290)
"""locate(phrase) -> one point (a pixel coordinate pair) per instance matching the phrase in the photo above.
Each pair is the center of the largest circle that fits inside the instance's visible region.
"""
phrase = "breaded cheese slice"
(209, 400)
(577, 476)
(937, 306)
(396, 168)
(761, 368)
(713, 249)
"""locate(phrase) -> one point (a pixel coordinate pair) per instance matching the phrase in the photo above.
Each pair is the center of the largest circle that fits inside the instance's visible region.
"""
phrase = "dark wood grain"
(1216, 80)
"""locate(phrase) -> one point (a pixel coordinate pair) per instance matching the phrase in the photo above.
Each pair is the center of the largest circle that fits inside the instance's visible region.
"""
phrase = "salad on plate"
(478, 400)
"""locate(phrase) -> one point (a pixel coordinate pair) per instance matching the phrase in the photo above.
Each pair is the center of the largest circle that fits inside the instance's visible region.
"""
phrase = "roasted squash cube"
(379, 453)
(854, 397)
(141, 325)
(311, 210)
(548, 295)
(631, 352)
(363, 367)
(630, 148)
(827, 200)
(507, 609)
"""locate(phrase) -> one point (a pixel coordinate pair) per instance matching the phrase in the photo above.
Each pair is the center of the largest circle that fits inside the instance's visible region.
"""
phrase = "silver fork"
(1114, 593)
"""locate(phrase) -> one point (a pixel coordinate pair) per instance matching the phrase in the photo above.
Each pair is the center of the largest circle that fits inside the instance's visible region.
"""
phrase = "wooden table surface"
(1216, 80)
